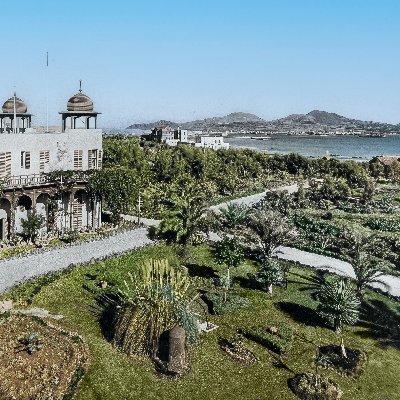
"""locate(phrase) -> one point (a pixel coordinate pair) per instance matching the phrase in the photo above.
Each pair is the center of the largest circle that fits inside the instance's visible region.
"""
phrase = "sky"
(141, 61)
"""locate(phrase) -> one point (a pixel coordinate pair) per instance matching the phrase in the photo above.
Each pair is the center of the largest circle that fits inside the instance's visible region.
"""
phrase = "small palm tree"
(339, 304)
(269, 230)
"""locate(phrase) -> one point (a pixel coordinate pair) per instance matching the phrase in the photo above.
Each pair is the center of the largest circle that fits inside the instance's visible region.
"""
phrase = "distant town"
(318, 123)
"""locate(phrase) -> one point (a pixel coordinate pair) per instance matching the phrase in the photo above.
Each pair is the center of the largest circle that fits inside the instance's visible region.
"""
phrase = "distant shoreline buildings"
(174, 137)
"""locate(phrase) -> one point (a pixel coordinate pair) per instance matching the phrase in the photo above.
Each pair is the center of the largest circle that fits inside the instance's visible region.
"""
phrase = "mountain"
(151, 125)
(315, 121)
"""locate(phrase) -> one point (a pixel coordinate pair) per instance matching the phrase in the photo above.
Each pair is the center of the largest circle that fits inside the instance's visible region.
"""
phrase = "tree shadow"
(202, 271)
(382, 321)
(300, 313)
(105, 309)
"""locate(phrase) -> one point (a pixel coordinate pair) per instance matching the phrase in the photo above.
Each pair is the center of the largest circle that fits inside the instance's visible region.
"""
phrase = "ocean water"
(342, 147)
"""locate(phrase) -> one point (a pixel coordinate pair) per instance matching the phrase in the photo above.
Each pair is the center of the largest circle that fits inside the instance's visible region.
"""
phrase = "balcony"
(12, 182)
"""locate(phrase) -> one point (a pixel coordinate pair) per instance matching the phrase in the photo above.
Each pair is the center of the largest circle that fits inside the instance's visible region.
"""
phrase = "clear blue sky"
(184, 60)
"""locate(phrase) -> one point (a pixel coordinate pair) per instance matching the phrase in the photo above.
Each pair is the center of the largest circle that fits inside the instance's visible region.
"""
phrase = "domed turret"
(79, 109)
(8, 106)
(80, 102)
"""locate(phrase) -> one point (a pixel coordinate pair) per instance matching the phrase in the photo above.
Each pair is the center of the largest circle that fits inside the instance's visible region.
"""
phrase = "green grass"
(213, 375)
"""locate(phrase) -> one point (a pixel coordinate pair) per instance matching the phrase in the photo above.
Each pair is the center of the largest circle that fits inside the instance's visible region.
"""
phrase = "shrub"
(220, 306)
(278, 337)
(383, 224)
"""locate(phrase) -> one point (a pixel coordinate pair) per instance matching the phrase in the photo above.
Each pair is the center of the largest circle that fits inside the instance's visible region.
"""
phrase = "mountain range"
(321, 121)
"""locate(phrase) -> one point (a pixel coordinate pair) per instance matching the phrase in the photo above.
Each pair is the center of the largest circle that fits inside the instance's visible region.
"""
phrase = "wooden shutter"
(78, 160)
(44, 159)
(5, 164)
(99, 159)
(90, 155)
(27, 159)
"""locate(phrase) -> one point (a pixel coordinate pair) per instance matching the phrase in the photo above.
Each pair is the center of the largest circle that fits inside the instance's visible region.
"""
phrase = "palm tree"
(338, 303)
(185, 212)
(269, 230)
(367, 269)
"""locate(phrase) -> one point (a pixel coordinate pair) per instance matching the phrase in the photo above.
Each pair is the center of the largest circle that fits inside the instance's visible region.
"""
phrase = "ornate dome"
(80, 102)
(8, 106)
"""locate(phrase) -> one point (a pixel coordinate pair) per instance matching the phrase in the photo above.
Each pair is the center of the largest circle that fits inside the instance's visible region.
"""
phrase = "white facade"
(211, 142)
(75, 149)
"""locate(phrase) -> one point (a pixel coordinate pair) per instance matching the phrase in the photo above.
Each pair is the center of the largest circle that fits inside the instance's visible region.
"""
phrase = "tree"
(230, 253)
(270, 273)
(269, 230)
(117, 186)
(367, 268)
(339, 304)
(234, 215)
(31, 226)
(184, 213)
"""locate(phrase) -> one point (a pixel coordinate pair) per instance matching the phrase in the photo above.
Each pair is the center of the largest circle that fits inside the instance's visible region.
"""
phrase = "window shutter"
(5, 164)
(44, 158)
(27, 160)
(78, 160)
(99, 159)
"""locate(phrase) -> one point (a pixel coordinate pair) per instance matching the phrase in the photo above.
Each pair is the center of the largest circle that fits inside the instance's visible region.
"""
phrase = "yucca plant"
(152, 301)
(339, 303)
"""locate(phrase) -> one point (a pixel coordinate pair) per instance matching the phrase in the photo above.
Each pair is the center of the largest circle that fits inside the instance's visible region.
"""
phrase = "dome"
(80, 102)
(8, 106)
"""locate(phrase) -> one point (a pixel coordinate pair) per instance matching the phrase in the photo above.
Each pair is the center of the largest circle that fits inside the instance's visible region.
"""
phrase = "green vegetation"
(113, 374)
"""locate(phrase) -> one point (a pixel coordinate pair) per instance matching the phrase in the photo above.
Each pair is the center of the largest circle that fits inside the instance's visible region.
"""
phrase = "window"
(25, 159)
(92, 159)
(78, 160)
(99, 159)
(44, 159)
(5, 164)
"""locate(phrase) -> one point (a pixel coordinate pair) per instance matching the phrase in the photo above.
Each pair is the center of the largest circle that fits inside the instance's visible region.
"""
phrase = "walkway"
(390, 283)
(15, 271)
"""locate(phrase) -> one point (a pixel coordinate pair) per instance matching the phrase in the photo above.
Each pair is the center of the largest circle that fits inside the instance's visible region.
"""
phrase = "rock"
(103, 284)
(177, 351)
(6, 305)
(273, 330)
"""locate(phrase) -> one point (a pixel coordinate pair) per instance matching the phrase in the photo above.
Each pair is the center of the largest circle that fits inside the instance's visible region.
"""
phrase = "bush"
(383, 224)
(278, 337)
(219, 306)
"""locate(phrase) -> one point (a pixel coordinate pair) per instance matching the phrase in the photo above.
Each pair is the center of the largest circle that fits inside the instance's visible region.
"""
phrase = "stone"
(177, 351)
(103, 284)
(6, 305)
(273, 330)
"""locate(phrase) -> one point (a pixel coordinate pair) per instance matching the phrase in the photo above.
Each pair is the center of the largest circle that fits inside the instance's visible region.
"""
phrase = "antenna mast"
(47, 94)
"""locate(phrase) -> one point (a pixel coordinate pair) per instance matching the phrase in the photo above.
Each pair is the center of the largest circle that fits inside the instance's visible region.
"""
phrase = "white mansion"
(29, 161)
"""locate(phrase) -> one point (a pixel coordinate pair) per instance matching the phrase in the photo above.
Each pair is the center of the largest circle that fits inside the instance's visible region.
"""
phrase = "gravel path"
(390, 283)
(254, 198)
(18, 270)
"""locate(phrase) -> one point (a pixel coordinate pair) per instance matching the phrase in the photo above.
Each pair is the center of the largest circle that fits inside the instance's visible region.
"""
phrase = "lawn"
(213, 374)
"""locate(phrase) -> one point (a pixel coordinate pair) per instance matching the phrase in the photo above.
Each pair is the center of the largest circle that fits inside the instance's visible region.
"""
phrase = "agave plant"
(234, 215)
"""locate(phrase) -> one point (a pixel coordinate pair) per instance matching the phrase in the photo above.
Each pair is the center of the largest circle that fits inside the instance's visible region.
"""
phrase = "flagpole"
(47, 92)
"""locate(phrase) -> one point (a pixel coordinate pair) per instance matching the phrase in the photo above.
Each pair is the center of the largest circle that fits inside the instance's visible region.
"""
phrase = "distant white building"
(211, 142)
(27, 158)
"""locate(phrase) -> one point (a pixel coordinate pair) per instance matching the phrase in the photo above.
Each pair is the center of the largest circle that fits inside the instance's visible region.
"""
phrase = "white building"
(211, 142)
(27, 158)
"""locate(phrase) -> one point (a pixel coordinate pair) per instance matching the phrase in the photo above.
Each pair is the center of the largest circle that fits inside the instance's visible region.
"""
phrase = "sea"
(342, 147)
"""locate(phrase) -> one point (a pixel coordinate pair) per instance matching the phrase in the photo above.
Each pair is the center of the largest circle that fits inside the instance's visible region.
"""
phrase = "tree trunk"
(269, 289)
(343, 349)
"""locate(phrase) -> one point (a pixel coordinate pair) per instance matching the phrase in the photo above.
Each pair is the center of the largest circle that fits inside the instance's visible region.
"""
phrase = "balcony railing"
(10, 182)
